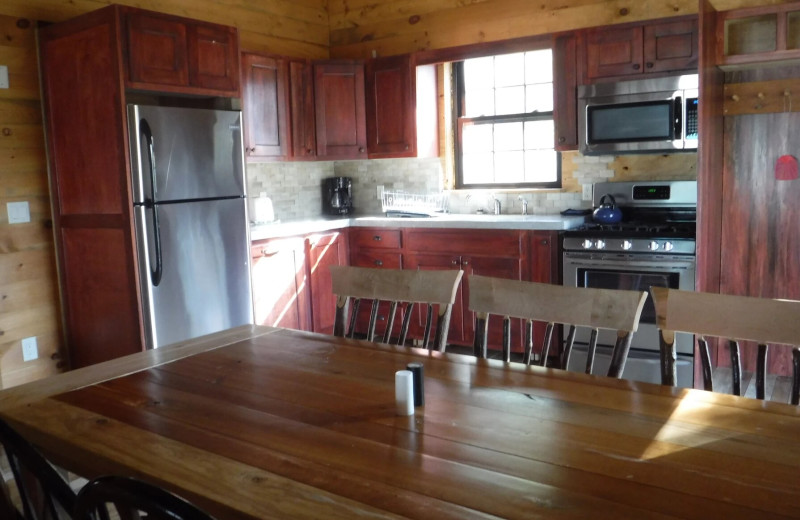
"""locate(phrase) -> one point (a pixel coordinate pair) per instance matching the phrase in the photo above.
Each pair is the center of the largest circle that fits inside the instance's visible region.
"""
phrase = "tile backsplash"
(296, 187)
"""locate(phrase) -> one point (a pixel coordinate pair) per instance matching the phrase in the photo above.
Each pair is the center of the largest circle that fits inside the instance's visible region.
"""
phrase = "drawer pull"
(379, 263)
(377, 238)
(454, 262)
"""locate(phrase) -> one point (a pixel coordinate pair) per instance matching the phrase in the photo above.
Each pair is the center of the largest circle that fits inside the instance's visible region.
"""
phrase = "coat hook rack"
(760, 97)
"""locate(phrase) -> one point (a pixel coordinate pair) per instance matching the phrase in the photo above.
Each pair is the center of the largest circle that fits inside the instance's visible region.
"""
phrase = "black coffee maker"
(337, 196)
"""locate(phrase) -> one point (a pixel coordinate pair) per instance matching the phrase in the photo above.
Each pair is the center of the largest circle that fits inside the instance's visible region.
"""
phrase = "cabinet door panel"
(324, 251)
(509, 268)
(670, 46)
(457, 333)
(157, 51)
(565, 93)
(614, 52)
(466, 242)
(280, 294)
(301, 102)
(390, 109)
(265, 106)
(339, 110)
(213, 57)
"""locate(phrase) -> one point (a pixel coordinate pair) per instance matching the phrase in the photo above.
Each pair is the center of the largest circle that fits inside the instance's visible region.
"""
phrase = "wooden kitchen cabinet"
(265, 106)
(565, 92)
(391, 107)
(339, 110)
(758, 34)
(633, 50)
(324, 250)
(301, 108)
(280, 283)
(169, 53)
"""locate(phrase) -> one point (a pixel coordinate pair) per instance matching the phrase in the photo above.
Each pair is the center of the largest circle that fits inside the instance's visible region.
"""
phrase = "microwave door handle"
(678, 118)
(150, 203)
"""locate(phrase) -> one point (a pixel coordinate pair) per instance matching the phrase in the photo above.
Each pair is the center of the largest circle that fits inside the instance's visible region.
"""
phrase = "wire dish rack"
(396, 202)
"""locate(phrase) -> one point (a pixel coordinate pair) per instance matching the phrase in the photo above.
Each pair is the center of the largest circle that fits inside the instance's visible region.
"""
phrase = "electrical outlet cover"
(30, 351)
(18, 212)
(4, 76)
(587, 192)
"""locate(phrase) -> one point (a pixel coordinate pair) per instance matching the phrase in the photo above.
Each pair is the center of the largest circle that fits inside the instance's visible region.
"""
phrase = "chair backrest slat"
(555, 304)
(434, 287)
(769, 322)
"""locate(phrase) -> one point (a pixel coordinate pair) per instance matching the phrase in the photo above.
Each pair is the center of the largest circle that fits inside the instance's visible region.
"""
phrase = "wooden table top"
(273, 423)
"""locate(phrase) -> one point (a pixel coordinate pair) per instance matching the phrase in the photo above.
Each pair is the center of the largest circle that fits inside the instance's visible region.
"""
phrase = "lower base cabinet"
(291, 280)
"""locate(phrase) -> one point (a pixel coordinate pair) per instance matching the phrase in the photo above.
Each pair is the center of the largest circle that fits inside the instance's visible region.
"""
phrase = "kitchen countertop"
(451, 220)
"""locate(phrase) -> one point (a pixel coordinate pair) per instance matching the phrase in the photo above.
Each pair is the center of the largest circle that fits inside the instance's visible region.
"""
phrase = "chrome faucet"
(524, 205)
(496, 206)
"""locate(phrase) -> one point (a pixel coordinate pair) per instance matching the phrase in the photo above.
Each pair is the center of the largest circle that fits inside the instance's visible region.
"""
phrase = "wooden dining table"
(262, 423)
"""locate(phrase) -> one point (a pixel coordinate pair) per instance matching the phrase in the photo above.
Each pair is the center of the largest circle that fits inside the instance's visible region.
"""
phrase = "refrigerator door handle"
(149, 202)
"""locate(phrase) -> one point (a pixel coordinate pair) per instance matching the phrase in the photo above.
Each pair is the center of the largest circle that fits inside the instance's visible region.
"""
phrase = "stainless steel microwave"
(649, 115)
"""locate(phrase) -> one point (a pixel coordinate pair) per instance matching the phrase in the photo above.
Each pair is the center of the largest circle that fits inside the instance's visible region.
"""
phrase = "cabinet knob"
(465, 262)
(562, 139)
(636, 66)
(649, 65)
(379, 263)
(407, 147)
(454, 262)
(543, 242)
(360, 150)
(377, 238)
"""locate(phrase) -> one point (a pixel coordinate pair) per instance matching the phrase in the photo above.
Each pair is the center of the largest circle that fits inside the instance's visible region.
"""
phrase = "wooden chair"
(555, 304)
(402, 288)
(131, 499)
(43, 493)
(735, 318)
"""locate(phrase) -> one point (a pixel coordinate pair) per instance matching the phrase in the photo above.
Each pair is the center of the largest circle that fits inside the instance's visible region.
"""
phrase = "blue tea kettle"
(607, 212)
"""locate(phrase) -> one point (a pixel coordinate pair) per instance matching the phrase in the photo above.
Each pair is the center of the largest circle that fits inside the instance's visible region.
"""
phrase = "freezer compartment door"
(185, 153)
(204, 282)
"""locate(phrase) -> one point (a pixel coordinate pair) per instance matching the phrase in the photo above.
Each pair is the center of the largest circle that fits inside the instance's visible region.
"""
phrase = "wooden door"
(213, 57)
(391, 107)
(324, 251)
(670, 46)
(301, 103)
(457, 332)
(280, 288)
(339, 110)
(157, 50)
(613, 52)
(265, 106)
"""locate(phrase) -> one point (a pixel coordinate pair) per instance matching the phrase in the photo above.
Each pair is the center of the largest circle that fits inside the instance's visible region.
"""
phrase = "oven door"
(637, 272)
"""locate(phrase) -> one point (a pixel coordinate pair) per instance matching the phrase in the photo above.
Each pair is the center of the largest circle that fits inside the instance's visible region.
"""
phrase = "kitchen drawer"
(372, 238)
(498, 243)
(270, 247)
(386, 260)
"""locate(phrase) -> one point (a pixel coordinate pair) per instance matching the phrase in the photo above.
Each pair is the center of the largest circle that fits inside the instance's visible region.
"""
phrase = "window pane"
(510, 100)
(509, 167)
(477, 138)
(479, 73)
(479, 103)
(541, 166)
(509, 70)
(508, 136)
(478, 168)
(539, 66)
(539, 98)
(539, 134)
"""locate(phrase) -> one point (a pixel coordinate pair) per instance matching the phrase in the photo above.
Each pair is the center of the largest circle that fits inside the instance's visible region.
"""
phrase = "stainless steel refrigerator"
(191, 222)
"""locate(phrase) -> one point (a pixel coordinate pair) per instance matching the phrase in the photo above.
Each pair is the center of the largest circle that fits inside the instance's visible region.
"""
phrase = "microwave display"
(630, 122)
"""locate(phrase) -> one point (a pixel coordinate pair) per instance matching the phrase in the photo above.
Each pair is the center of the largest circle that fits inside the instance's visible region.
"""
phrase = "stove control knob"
(587, 244)
(653, 245)
(668, 246)
(627, 244)
(601, 244)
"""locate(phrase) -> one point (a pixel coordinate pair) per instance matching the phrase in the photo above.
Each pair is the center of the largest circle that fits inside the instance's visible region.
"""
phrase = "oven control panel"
(674, 246)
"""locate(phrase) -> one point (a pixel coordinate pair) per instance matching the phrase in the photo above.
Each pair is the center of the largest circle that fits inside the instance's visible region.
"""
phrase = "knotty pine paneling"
(358, 29)
(29, 303)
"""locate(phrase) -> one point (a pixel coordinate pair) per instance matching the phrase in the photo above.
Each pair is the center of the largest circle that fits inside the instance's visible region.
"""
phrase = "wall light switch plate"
(18, 212)
(30, 351)
(587, 192)
(4, 76)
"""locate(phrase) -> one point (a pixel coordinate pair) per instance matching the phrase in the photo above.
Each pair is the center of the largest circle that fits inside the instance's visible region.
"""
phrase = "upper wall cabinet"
(265, 106)
(172, 54)
(619, 52)
(339, 111)
(565, 92)
(759, 34)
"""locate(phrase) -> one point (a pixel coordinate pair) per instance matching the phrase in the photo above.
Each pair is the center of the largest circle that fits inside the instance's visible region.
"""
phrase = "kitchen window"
(504, 122)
